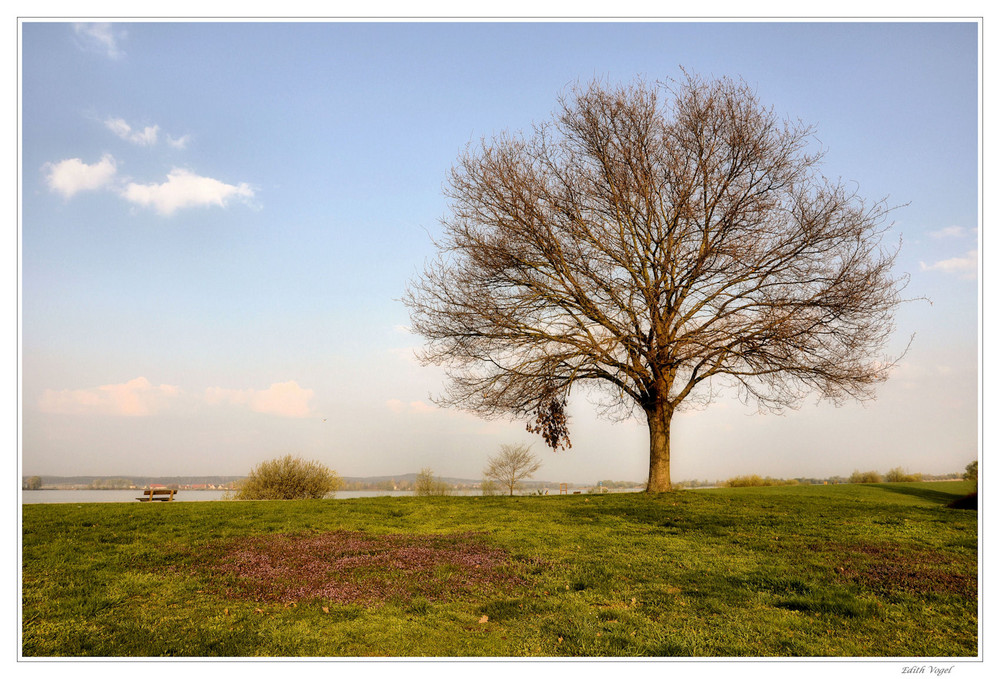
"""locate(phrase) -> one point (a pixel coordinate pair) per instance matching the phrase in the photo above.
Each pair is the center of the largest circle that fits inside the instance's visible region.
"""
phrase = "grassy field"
(851, 570)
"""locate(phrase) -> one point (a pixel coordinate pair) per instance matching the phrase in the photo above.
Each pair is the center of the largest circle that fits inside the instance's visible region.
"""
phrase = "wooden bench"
(158, 494)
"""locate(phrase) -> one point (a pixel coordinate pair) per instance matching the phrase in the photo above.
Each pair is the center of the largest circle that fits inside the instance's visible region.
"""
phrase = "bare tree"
(654, 243)
(512, 465)
(427, 484)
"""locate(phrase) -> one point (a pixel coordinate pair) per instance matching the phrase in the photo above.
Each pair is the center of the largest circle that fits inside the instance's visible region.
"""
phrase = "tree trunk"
(658, 417)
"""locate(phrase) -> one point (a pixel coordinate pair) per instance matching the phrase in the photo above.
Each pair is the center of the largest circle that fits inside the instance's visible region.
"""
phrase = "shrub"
(288, 478)
(754, 480)
(746, 481)
(972, 471)
(489, 487)
(866, 477)
(427, 484)
(897, 475)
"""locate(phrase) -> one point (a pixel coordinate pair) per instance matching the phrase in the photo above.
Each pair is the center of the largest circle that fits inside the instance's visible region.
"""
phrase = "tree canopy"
(654, 243)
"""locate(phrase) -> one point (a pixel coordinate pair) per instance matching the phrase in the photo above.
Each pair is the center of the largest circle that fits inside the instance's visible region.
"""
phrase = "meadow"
(874, 570)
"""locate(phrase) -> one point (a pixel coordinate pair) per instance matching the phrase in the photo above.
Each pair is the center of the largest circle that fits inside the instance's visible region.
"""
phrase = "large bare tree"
(654, 243)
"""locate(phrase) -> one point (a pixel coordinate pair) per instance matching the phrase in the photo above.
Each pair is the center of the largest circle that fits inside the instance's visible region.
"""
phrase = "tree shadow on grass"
(936, 496)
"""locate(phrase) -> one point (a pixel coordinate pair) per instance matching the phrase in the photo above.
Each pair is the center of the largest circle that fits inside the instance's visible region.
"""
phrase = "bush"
(972, 471)
(897, 475)
(866, 477)
(746, 481)
(427, 484)
(489, 487)
(288, 478)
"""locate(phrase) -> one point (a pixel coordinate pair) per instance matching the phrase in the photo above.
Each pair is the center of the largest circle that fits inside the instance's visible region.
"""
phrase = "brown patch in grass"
(354, 567)
(888, 569)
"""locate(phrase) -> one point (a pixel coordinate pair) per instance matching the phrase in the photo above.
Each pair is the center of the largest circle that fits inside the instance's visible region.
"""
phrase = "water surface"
(65, 496)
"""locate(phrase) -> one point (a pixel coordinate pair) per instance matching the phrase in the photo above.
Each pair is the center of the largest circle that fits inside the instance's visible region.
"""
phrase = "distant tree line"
(111, 484)
(753, 480)
(899, 475)
(384, 484)
(516, 477)
(398, 484)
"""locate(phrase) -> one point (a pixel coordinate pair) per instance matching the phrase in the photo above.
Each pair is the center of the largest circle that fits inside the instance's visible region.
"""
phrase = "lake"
(50, 496)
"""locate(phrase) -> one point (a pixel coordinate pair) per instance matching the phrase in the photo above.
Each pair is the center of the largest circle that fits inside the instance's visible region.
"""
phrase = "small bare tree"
(427, 484)
(654, 243)
(511, 465)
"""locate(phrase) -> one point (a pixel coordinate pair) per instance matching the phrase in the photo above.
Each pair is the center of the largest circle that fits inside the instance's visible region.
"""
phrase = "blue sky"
(218, 221)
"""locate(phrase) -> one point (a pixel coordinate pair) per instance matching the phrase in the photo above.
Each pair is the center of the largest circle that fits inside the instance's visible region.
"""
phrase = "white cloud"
(421, 407)
(181, 189)
(135, 398)
(100, 37)
(71, 176)
(119, 127)
(910, 375)
(286, 399)
(949, 232)
(145, 137)
(404, 354)
(184, 189)
(415, 407)
(179, 142)
(966, 266)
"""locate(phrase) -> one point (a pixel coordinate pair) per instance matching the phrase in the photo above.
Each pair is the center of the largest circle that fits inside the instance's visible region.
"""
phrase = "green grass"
(882, 570)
